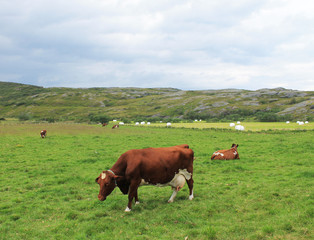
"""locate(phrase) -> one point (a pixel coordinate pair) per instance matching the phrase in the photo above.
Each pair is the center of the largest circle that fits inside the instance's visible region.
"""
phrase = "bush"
(99, 118)
(267, 117)
(24, 117)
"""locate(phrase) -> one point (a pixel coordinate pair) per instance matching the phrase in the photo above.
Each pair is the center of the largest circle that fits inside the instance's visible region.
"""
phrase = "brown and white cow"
(228, 154)
(115, 126)
(104, 124)
(168, 166)
(43, 133)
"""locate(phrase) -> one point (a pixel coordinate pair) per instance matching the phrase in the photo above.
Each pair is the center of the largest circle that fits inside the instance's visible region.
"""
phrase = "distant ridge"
(131, 103)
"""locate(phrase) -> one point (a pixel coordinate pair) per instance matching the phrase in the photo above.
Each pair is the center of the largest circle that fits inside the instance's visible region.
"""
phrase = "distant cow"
(104, 124)
(228, 154)
(115, 126)
(43, 133)
(168, 166)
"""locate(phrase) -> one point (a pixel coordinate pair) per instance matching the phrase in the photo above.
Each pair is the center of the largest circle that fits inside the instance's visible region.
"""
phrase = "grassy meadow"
(249, 126)
(48, 189)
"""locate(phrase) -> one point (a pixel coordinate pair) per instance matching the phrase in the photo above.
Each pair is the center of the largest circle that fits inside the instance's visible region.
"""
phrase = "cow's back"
(226, 154)
(157, 165)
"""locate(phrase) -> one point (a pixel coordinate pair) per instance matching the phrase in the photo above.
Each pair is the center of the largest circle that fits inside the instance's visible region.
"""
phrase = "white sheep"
(239, 127)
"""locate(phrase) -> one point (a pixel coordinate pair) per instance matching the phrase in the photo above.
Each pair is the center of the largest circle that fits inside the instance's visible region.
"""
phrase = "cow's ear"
(238, 145)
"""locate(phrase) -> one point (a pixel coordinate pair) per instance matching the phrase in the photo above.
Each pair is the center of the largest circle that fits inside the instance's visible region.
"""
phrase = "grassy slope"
(75, 104)
(48, 190)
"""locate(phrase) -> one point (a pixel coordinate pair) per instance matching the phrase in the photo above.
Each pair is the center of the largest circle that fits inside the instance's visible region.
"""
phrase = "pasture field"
(249, 126)
(48, 189)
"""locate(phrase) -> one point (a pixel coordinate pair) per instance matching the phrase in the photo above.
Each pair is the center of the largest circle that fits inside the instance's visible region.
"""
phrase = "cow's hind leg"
(174, 194)
(178, 184)
(190, 184)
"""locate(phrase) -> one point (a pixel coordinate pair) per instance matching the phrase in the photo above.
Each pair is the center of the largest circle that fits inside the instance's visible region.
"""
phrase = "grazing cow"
(115, 126)
(228, 154)
(168, 166)
(43, 133)
(104, 124)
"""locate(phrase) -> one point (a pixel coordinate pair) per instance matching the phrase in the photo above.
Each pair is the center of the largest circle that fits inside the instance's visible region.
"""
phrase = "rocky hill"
(79, 104)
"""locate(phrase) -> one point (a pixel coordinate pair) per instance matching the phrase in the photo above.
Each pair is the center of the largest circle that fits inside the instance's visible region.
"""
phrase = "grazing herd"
(166, 166)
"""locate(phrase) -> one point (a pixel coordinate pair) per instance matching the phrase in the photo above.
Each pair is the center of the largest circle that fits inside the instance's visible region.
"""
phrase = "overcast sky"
(185, 44)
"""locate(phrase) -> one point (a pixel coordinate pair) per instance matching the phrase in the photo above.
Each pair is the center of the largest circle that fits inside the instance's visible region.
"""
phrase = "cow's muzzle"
(101, 198)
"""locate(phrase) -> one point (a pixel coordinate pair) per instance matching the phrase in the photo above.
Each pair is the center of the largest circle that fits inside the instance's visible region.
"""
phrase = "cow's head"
(107, 182)
(235, 146)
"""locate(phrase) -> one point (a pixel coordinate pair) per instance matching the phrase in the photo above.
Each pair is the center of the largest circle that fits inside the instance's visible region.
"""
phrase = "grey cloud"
(184, 44)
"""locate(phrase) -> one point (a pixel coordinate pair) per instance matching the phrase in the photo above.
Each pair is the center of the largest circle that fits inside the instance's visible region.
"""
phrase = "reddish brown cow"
(168, 166)
(43, 133)
(104, 124)
(115, 126)
(228, 154)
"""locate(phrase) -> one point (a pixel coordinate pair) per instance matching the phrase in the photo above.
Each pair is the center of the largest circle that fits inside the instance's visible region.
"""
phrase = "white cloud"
(185, 44)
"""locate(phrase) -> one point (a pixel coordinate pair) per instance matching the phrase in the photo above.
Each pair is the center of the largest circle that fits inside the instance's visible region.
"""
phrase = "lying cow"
(104, 124)
(169, 166)
(43, 133)
(115, 126)
(228, 154)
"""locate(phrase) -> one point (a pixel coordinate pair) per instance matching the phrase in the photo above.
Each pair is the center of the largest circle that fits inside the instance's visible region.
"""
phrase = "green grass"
(47, 188)
(249, 126)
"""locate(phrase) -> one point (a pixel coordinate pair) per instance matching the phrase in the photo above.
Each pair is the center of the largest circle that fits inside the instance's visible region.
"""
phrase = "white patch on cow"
(103, 175)
(191, 196)
(176, 183)
(218, 153)
(235, 153)
(127, 209)
(143, 182)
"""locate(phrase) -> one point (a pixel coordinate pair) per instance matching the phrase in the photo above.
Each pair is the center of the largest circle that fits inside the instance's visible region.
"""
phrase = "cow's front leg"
(132, 193)
(136, 198)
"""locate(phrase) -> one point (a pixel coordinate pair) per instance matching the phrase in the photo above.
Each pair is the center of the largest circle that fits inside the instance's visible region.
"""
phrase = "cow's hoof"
(127, 209)
(191, 197)
(136, 203)
(170, 201)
